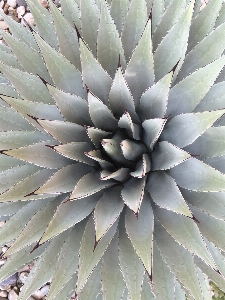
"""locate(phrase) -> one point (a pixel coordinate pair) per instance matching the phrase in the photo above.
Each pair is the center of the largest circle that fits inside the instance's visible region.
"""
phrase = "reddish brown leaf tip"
(31, 194)
(174, 68)
(96, 244)
(35, 247)
(77, 31)
(50, 146)
(28, 25)
(136, 215)
(119, 62)
(43, 80)
(34, 118)
(194, 155)
(167, 117)
(197, 221)
(67, 200)
(218, 271)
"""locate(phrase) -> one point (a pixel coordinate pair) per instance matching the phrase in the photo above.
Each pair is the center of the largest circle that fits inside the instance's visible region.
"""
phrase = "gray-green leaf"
(67, 37)
(107, 211)
(63, 73)
(176, 41)
(112, 279)
(165, 193)
(195, 175)
(134, 25)
(186, 234)
(109, 45)
(90, 16)
(140, 232)
(68, 214)
(184, 129)
(179, 260)
(165, 156)
(153, 102)
(133, 192)
(90, 253)
(94, 76)
(90, 184)
(139, 73)
(131, 265)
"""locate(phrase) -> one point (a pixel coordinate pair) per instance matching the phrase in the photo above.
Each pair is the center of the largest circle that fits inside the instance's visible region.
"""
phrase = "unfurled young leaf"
(112, 160)
(76, 151)
(165, 156)
(65, 132)
(64, 180)
(152, 129)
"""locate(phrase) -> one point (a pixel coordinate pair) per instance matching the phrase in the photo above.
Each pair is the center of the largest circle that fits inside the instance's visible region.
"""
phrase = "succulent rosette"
(113, 149)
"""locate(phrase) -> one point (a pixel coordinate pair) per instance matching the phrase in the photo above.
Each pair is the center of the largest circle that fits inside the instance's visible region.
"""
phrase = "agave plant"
(113, 149)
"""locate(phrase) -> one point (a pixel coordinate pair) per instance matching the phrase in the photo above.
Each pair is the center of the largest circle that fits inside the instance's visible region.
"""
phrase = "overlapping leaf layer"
(112, 149)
